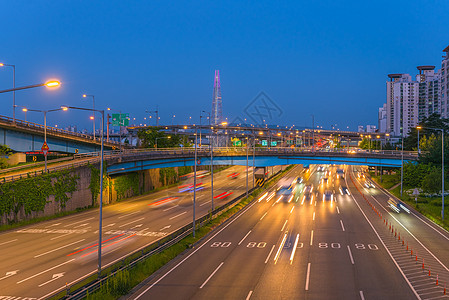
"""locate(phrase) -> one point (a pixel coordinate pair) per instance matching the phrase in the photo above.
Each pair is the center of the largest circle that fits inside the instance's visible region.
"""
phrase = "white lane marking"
(283, 226)
(263, 216)
(307, 276)
(54, 277)
(431, 225)
(278, 253)
(165, 227)
(269, 254)
(210, 276)
(42, 254)
(9, 274)
(361, 295)
(342, 226)
(206, 203)
(383, 244)
(350, 255)
(4, 243)
(78, 226)
(167, 209)
(193, 252)
(294, 249)
(249, 295)
(313, 217)
(244, 238)
(292, 209)
(79, 222)
(53, 225)
(177, 215)
(425, 248)
(311, 238)
(338, 211)
(45, 271)
(57, 237)
(131, 222)
(124, 216)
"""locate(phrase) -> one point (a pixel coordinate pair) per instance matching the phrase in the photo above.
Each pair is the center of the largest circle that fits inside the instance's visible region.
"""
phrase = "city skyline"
(153, 55)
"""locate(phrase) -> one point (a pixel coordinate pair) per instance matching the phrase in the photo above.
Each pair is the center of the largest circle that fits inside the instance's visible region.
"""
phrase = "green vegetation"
(4, 151)
(154, 136)
(125, 184)
(31, 194)
(168, 176)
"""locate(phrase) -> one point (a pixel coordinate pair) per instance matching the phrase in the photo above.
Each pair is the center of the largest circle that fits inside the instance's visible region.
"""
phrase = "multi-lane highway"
(326, 243)
(40, 259)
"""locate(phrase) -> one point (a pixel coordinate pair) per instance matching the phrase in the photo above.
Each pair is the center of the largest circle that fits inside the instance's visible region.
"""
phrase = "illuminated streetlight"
(100, 228)
(45, 125)
(93, 108)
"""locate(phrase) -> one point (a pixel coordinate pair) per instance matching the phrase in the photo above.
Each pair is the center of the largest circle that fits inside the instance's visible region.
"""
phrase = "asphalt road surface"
(341, 241)
(38, 260)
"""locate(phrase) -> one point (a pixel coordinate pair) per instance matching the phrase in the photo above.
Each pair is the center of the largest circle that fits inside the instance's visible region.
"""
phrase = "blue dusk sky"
(326, 58)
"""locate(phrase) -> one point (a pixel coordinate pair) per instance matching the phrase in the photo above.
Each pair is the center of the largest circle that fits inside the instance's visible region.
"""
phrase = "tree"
(433, 121)
(153, 135)
(432, 181)
(4, 152)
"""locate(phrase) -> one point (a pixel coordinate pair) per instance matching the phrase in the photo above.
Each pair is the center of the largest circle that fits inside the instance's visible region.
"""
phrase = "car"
(344, 190)
(308, 189)
(328, 196)
(324, 180)
(320, 169)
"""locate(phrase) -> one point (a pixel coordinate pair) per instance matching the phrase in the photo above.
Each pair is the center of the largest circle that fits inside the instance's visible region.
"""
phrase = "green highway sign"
(120, 120)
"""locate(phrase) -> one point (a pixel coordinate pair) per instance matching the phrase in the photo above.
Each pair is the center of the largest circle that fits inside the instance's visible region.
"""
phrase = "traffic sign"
(45, 148)
(120, 120)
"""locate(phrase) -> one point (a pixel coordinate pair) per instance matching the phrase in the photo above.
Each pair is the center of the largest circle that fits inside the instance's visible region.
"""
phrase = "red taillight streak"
(96, 244)
(102, 247)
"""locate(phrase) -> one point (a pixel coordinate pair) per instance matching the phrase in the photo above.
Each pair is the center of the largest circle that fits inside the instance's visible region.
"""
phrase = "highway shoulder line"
(383, 244)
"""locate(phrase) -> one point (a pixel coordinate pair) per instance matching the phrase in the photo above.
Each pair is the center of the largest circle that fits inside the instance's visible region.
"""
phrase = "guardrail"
(55, 130)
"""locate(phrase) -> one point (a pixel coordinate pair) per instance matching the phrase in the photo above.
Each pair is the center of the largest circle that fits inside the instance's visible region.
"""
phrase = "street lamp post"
(194, 183)
(100, 222)
(417, 129)
(402, 160)
(313, 133)
(247, 140)
(14, 92)
(49, 84)
(93, 108)
(45, 126)
(211, 148)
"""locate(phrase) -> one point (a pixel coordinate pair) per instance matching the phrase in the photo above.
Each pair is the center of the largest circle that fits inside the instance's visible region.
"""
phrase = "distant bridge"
(143, 159)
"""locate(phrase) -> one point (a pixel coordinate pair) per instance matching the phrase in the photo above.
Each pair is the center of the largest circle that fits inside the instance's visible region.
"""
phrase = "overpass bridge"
(23, 136)
(132, 160)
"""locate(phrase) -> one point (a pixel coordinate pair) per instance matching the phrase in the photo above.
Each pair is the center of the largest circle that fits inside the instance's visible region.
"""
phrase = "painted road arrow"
(166, 227)
(54, 277)
(9, 274)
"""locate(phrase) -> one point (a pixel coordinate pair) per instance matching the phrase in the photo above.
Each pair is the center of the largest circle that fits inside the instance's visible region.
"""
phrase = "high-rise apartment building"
(444, 83)
(382, 118)
(411, 100)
